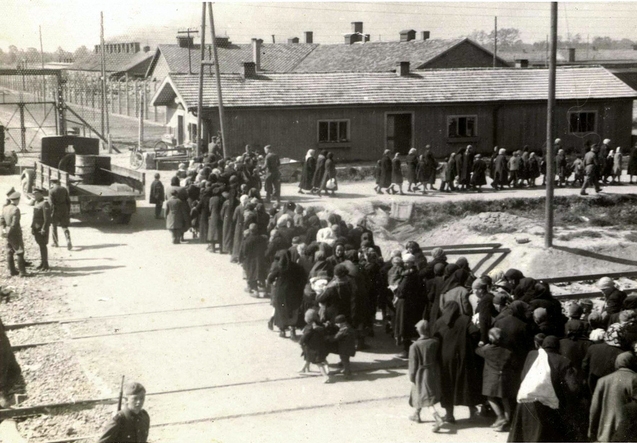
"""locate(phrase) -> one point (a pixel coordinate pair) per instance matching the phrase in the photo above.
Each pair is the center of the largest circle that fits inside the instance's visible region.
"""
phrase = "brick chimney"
(357, 27)
(407, 35)
(521, 63)
(248, 70)
(402, 69)
(571, 55)
(185, 41)
(309, 37)
(256, 53)
(293, 40)
(424, 35)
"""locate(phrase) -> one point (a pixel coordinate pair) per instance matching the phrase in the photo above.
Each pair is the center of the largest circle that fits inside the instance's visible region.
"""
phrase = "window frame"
(328, 121)
(463, 137)
(570, 128)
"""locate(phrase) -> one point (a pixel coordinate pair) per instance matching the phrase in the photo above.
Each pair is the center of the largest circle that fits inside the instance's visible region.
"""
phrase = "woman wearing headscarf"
(319, 172)
(459, 159)
(460, 366)
(611, 394)
(438, 256)
(513, 276)
(410, 305)
(576, 343)
(396, 175)
(288, 279)
(454, 290)
(600, 357)
(413, 248)
(467, 167)
(215, 223)
(237, 220)
(252, 257)
(632, 164)
(479, 173)
(329, 182)
(203, 210)
(517, 334)
(430, 167)
(338, 297)
(385, 171)
(538, 420)
(338, 256)
(500, 170)
(463, 263)
(412, 166)
(307, 174)
(433, 288)
(227, 211)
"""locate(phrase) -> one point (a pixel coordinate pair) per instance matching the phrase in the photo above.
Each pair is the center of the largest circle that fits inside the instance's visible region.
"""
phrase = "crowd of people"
(493, 342)
(466, 170)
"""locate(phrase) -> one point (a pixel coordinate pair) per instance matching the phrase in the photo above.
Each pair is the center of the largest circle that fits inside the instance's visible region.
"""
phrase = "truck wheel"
(123, 219)
(28, 178)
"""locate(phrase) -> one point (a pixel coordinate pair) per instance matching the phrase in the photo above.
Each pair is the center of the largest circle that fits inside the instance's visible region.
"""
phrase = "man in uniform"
(272, 175)
(12, 231)
(40, 226)
(131, 424)
(60, 212)
(591, 167)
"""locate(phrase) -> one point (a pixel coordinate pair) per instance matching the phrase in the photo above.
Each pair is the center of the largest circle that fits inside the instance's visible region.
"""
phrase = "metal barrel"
(85, 168)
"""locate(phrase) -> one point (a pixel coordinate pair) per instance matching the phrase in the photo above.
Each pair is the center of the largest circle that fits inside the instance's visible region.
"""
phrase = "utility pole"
(201, 71)
(44, 76)
(495, 42)
(224, 141)
(103, 60)
(550, 131)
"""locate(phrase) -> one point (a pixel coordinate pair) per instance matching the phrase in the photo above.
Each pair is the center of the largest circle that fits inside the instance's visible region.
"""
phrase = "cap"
(605, 283)
(14, 195)
(134, 388)
(40, 190)
(606, 141)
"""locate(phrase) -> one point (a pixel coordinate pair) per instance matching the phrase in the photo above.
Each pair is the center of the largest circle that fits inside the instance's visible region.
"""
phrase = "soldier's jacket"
(41, 215)
(126, 427)
(11, 221)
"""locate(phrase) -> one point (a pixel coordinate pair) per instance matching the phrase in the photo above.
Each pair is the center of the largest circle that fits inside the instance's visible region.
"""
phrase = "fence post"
(145, 102)
(127, 98)
(110, 94)
(119, 97)
(136, 98)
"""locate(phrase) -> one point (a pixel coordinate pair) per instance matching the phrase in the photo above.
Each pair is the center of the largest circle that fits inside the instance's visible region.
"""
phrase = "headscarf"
(518, 309)
(597, 335)
(551, 343)
(456, 279)
(243, 199)
(438, 253)
(439, 269)
(496, 275)
(575, 311)
(575, 329)
(626, 360)
(612, 337)
(525, 289)
(463, 263)
(605, 283)
(412, 151)
(513, 274)
(284, 258)
(450, 313)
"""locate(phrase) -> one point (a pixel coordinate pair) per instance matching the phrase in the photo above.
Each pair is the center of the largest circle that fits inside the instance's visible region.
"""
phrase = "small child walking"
(314, 346)
(345, 343)
(424, 374)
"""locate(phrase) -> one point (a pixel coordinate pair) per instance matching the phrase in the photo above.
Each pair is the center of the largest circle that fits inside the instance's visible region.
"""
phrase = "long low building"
(358, 115)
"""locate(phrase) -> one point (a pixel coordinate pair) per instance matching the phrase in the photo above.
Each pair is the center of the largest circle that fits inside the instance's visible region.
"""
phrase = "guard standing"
(272, 175)
(12, 231)
(60, 212)
(132, 423)
(40, 226)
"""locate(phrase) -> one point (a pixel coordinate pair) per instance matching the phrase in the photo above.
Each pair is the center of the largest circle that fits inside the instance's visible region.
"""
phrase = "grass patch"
(586, 233)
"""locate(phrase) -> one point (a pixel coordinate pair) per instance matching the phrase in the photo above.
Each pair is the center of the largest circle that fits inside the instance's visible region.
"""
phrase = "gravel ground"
(65, 422)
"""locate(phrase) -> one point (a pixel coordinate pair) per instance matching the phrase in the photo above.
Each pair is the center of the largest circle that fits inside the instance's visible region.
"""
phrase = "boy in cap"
(11, 230)
(40, 226)
(131, 424)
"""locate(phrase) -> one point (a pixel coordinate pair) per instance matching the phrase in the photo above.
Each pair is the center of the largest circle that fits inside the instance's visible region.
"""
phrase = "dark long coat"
(479, 176)
(498, 376)
(467, 167)
(215, 222)
(459, 159)
(424, 372)
(410, 305)
(396, 171)
(204, 213)
(430, 168)
(632, 163)
(330, 172)
(307, 174)
(385, 172)
(575, 350)
(227, 211)
(319, 171)
(338, 298)
(177, 214)
(461, 374)
(598, 362)
(157, 192)
(517, 336)
(434, 292)
(289, 280)
(500, 169)
(253, 257)
(412, 165)
(237, 220)
(535, 422)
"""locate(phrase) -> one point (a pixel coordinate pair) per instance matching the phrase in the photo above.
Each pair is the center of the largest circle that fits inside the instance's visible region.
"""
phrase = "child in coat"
(344, 343)
(498, 379)
(314, 346)
(424, 374)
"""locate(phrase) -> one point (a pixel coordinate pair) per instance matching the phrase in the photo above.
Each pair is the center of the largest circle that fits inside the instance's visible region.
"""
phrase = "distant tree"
(81, 52)
(508, 38)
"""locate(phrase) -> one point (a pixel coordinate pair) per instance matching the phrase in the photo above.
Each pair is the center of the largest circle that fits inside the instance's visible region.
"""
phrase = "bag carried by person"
(331, 184)
(537, 385)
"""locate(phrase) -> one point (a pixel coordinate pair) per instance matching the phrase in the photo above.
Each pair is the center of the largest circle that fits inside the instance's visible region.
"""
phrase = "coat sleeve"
(46, 213)
(111, 431)
(413, 364)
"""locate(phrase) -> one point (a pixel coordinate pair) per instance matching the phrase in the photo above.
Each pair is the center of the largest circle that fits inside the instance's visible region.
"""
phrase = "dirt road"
(212, 369)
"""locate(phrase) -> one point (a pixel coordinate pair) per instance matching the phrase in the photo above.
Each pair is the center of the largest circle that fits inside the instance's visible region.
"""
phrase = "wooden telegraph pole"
(550, 131)
(201, 71)
(495, 42)
(224, 141)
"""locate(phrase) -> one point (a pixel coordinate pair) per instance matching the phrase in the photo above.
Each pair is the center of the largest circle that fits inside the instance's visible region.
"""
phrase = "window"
(582, 122)
(333, 131)
(462, 126)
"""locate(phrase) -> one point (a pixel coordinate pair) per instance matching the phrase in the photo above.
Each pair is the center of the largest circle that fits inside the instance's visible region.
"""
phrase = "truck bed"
(104, 191)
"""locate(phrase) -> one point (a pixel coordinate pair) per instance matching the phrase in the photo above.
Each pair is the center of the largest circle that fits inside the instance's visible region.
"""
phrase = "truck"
(97, 188)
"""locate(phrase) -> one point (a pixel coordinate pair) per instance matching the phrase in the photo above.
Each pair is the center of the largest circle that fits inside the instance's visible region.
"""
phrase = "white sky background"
(73, 23)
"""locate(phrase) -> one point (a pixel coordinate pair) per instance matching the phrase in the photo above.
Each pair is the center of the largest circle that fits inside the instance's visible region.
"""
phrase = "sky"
(71, 23)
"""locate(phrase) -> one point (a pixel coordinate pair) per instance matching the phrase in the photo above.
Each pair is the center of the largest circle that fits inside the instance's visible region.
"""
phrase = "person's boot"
(415, 416)
(22, 269)
(12, 269)
(67, 234)
(45, 259)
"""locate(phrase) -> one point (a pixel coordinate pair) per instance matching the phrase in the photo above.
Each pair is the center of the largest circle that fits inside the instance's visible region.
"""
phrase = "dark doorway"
(399, 132)
(180, 129)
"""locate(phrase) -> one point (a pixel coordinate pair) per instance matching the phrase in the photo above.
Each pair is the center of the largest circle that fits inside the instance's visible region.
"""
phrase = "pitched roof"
(115, 61)
(422, 87)
(275, 57)
(581, 55)
(374, 56)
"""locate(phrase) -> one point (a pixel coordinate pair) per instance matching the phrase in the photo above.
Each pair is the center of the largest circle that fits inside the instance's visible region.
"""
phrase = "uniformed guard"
(60, 212)
(12, 231)
(131, 424)
(40, 226)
